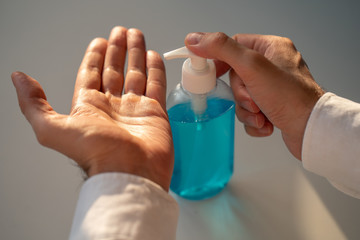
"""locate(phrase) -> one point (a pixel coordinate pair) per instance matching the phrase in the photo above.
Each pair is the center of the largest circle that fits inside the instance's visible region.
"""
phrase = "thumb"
(33, 103)
(253, 68)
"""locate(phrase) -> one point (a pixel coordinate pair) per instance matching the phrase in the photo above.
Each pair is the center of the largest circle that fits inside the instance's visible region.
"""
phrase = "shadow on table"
(345, 210)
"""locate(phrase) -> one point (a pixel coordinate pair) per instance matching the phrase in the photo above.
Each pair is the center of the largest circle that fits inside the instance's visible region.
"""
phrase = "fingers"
(256, 120)
(265, 131)
(33, 104)
(156, 83)
(255, 124)
(241, 95)
(113, 74)
(31, 97)
(103, 66)
(136, 72)
(90, 70)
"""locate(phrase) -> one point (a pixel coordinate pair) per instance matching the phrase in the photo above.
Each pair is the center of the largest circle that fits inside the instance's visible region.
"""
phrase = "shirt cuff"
(331, 143)
(124, 206)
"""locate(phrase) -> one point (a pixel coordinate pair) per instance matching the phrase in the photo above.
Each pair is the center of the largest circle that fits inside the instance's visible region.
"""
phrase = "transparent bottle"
(201, 111)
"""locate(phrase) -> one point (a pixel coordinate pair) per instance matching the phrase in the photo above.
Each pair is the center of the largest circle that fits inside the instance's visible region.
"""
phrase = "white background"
(270, 195)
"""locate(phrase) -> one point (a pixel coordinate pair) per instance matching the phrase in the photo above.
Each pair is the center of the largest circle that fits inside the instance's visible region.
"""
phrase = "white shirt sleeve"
(124, 206)
(331, 144)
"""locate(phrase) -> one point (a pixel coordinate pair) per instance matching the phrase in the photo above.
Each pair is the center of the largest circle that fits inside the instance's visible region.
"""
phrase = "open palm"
(115, 124)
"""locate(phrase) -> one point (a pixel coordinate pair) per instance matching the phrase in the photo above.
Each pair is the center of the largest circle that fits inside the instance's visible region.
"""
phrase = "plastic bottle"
(201, 110)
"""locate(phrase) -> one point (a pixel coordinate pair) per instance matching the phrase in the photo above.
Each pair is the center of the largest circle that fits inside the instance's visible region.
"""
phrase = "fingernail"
(266, 129)
(252, 121)
(16, 75)
(194, 38)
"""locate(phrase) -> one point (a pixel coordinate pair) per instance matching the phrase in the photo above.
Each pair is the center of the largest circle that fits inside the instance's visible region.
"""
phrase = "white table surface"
(270, 195)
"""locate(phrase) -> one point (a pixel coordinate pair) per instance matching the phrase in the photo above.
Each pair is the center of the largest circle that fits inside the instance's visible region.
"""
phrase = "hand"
(271, 83)
(107, 131)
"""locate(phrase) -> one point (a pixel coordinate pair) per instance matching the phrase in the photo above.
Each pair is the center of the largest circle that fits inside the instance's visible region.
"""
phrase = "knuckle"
(283, 42)
(109, 69)
(298, 60)
(135, 73)
(219, 38)
(288, 42)
(157, 83)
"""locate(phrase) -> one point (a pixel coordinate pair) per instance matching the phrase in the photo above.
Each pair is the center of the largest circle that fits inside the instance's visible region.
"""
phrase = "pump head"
(198, 74)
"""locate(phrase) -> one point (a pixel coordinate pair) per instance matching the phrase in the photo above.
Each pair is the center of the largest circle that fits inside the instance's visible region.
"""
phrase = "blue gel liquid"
(204, 148)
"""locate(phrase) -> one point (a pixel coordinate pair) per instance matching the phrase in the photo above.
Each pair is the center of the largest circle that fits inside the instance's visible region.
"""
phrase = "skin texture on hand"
(108, 129)
(271, 82)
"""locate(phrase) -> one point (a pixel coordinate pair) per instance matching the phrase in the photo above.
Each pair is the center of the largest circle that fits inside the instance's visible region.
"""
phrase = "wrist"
(136, 166)
(293, 138)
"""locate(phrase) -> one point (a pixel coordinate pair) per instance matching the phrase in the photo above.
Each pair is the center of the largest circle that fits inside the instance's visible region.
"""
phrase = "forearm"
(124, 206)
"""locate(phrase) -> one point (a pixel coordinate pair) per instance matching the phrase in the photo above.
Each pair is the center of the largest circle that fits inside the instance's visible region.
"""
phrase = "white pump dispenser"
(198, 74)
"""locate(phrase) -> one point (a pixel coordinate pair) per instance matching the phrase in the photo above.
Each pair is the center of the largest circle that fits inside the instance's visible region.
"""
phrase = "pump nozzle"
(197, 63)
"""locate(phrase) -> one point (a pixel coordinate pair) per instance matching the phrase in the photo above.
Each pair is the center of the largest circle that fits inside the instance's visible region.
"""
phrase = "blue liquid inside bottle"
(204, 148)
